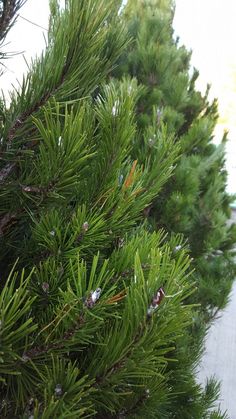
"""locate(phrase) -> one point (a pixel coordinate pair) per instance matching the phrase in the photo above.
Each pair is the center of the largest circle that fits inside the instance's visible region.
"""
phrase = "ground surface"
(220, 354)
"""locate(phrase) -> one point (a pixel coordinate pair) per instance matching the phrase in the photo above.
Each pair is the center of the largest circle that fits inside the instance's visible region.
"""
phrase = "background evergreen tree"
(194, 201)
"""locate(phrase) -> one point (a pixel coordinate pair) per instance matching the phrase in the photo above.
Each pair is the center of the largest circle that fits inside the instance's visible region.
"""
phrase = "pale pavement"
(220, 355)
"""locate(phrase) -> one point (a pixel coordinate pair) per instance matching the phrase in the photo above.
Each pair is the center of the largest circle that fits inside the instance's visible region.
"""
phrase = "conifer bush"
(194, 201)
(95, 305)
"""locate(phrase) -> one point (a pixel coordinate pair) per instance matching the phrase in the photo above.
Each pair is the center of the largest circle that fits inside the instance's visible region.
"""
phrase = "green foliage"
(194, 200)
(15, 303)
(80, 172)
(81, 336)
(80, 50)
(53, 339)
(86, 330)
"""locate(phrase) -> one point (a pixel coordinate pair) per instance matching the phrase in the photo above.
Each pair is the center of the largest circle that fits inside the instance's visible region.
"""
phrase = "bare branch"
(8, 10)
(5, 172)
(7, 220)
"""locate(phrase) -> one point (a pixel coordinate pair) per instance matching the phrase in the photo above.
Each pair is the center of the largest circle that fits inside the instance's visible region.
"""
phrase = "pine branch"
(8, 10)
(6, 171)
(6, 221)
(20, 121)
(133, 409)
(119, 364)
(37, 351)
(68, 68)
(128, 273)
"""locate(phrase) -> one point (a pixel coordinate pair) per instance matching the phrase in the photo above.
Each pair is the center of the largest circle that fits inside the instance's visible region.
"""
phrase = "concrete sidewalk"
(220, 355)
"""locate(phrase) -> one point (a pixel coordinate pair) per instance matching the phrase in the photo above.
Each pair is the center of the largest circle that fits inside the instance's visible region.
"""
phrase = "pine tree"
(94, 313)
(194, 201)
(86, 328)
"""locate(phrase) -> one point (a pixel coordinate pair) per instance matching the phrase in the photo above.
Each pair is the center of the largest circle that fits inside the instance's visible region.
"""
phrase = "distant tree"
(194, 201)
